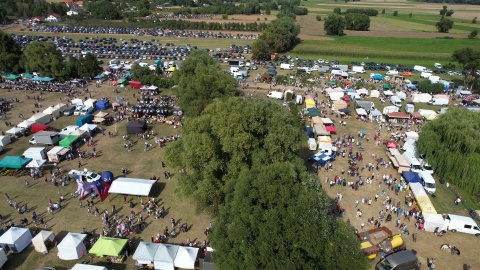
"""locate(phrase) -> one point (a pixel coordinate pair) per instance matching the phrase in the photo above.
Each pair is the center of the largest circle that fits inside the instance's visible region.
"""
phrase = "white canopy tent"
(60, 107)
(90, 102)
(14, 130)
(72, 247)
(186, 257)
(52, 111)
(152, 87)
(39, 241)
(17, 239)
(145, 252)
(412, 135)
(433, 221)
(390, 109)
(375, 94)
(56, 152)
(25, 124)
(40, 118)
(3, 257)
(77, 102)
(131, 186)
(5, 140)
(361, 111)
(36, 163)
(80, 266)
(88, 127)
(388, 93)
(422, 97)
(165, 257)
(362, 91)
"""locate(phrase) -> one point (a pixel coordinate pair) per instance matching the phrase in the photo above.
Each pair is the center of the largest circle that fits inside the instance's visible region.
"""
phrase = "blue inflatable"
(107, 176)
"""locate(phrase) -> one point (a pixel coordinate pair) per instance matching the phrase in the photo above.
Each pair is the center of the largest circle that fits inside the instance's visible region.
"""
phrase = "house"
(38, 19)
(53, 18)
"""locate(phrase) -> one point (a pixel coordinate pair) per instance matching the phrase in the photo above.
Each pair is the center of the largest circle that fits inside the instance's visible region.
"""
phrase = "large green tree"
(10, 53)
(334, 25)
(357, 22)
(200, 81)
(104, 10)
(426, 86)
(452, 146)
(230, 135)
(469, 61)
(277, 218)
(44, 58)
(444, 25)
(88, 66)
(279, 36)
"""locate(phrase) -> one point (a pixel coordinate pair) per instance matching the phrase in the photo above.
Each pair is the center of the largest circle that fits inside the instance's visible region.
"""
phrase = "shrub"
(395, 13)
(366, 11)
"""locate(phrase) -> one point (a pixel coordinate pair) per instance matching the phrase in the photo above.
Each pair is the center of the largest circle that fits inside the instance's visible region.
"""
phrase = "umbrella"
(332, 83)
(377, 77)
(363, 131)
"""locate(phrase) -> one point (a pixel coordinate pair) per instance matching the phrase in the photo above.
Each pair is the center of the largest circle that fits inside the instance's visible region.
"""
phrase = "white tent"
(25, 124)
(80, 266)
(388, 93)
(14, 130)
(186, 257)
(52, 111)
(17, 239)
(4, 140)
(90, 102)
(152, 87)
(77, 102)
(165, 257)
(39, 241)
(361, 111)
(145, 252)
(423, 97)
(362, 91)
(60, 107)
(412, 135)
(40, 118)
(72, 247)
(36, 163)
(335, 95)
(88, 127)
(131, 186)
(3, 257)
(390, 109)
(433, 221)
(375, 94)
(428, 114)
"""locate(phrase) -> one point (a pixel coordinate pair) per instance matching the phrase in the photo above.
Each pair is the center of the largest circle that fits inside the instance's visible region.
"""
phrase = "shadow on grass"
(15, 260)
(157, 189)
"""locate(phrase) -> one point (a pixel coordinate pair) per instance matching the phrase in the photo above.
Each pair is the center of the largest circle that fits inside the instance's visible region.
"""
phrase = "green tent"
(121, 81)
(108, 246)
(313, 112)
(332, 83)
(27, 75)
(386, 86)
(12, 77)
(14, 162)
(68, 141)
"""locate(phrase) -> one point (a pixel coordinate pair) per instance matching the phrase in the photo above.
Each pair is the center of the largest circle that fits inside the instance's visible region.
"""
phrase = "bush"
(225, 16)
(319, 18)
(366, 11)
(395, 13)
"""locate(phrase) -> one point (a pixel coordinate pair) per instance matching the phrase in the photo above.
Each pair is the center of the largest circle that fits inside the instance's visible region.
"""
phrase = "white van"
(463, 224)
(78, 110)
(285, 66)
(425, 75)
(428, 182)
(413, 162)
(312, 144)
(358, 69)
(396, 101)
(438, 102)
(86, 110)
(419, 68)
(437, 65)
(275, 94)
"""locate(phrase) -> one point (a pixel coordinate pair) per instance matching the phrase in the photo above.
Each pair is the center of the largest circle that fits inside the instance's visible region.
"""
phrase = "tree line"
(16, 9)
(44, 58)
(238, 161)
(467, 2)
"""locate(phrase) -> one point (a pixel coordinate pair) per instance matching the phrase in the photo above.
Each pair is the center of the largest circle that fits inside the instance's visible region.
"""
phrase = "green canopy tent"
(312, 112)
(67, 142)
(121, 81)
(12, 77)
(332, 83)
(14, 162)
(386, 86)
(27, 75)
(108, 246)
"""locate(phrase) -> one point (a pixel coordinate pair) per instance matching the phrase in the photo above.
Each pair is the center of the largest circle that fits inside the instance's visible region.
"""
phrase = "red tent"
(331, 129)
(391, 144)
(135, 84)
(39, 127)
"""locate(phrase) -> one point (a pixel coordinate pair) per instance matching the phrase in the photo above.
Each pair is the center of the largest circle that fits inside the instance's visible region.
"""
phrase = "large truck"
(45, 138)
(380, 240)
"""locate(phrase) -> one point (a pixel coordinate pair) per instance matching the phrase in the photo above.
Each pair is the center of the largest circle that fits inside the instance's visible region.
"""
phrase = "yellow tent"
(172, 69)
(325, 139)
(425, 204)
(310, 103)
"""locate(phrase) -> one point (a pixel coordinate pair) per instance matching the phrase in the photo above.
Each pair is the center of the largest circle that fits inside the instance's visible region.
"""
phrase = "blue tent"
(272, 69)
(411, 86)
(377, 77)
(126, 75)
(321, 157)
(102, 104)
(411, 177)
(309, 131)
(86, 119)
(42, 79)
(101, 76)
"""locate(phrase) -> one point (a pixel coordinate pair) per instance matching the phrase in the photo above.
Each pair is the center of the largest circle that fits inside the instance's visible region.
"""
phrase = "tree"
(473, 34)
(432, 88)
(383, 11)
(444, 25)
(139, 73)
(334, 25)
(443, 11)
(357, 22)
(44, 58)
(337, 10)
(474, 20)
(261, 50)
(200, 81)
(452, 146)
(104, 10)
(88, 66)
(272, 204)
(10, 53)
(228, 136)
(395, 13)
(318, 18)
(71, 69)
(280, 35)
(469, 62)
(410, 15)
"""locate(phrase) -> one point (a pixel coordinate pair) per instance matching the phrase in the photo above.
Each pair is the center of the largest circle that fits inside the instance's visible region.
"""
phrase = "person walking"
(414, 236)
(79, 164)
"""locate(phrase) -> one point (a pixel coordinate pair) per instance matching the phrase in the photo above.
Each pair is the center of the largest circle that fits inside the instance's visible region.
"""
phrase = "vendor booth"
(57, 154)
(72, 247)
(43, 241)
(165, 257)
(434, 222)
(15, 131)
(3, 257)
(16, 239)
(186, 257)
(422, 198)
(25, 124)
(40, 118)
(14, 162)
(145, 253)
(108, 246)
(52, 111)
(131, 186)
(5, 140)
(136, 127)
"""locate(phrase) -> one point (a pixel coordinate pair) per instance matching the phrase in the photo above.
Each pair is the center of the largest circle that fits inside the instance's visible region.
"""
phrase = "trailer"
(57, 154)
